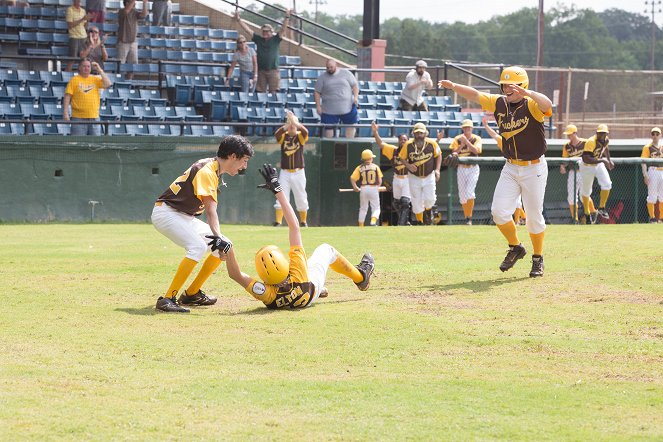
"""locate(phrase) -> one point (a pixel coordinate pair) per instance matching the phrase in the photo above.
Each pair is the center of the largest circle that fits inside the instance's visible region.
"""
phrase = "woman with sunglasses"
(245, 57)
(94, 48)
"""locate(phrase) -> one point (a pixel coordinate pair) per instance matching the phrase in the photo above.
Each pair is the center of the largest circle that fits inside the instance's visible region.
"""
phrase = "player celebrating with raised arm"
(369, 177)
(298, 283)
(465, 145)
(653, 175)
(595, 163)
(174, 216)
(400, 184)
(292, 137)
(519, 113)
(422, 159)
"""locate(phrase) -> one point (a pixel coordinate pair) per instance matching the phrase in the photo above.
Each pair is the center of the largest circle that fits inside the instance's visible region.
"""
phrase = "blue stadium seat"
(28, 109)
(222, 57)
(117, 129)
(106, 114)
(46, 129)
(201, 32)
(129, 118)
(186, 32)
(206, 57)
(183, 94)
(222, 131)
(137, 129)
(5, 129)
(159, 129)
(53, 110)
(121, 111)
(10, 111)
(157, 102)
(184, 111)
(218, 110)
(202, 131)
(200, 20)
(293, 100)
(203, 45)
(216, 33)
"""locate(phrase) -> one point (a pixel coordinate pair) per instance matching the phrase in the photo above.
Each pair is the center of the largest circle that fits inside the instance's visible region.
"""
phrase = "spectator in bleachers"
(268, 53)
(127, 45)
(161, 12)
(96, 10)
(248, 65)
(416, 82)
(83, 92)
(94, 49)
(336, 95)
(76, 18)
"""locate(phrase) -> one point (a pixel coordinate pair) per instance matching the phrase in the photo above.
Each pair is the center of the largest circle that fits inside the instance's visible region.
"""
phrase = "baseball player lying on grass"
(297, 283)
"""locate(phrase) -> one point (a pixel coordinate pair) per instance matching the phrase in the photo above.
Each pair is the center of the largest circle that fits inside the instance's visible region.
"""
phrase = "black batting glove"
(219, 243)
(271, 179)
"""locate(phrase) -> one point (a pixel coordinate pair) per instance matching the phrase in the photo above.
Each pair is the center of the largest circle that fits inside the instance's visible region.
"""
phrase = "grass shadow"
(476, 286)
(144, 311)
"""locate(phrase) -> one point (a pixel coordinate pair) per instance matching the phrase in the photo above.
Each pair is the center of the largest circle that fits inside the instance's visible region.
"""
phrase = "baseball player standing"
(400, 184)
(519, 113)
(422, 159)
(292, 137)
(296, 282)
(653, 175)
(369, 177)
(465, 145)
(573, 149)
(595, 163)
(174, 216)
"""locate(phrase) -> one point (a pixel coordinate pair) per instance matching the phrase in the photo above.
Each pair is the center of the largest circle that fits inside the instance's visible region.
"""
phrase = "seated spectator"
(416, 82)
(161, 12)
(96, 10)
(83, 92)
(76, 18)
(94, 49)
(248, 65)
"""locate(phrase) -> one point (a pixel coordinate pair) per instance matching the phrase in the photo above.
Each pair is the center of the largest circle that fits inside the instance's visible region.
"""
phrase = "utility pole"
(317, 3)
(652, 60)
(539, 45)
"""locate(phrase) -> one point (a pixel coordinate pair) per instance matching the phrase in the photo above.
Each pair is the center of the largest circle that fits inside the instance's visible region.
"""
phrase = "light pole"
(652, 4)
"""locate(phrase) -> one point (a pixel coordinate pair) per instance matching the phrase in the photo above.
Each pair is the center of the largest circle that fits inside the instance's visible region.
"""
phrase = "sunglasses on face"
(94, 32)
(655, 134)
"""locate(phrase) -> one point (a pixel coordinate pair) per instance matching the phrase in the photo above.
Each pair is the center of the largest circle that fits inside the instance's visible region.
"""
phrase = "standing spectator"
(94, 49)
(127, 46)
(336, 95)
(83, 92)
(76, 18)
(245, 57)
(268, 53)
(400, 185)
(465, 145)
(573, 149)
(595, 164)
(369, 177)
(96, 10)
(292, 137)
(423, 159)
(654, 176)
(161, 12)
(416, 82)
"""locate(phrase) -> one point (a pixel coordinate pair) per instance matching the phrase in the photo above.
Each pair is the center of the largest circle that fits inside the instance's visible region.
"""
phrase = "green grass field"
(442, 347)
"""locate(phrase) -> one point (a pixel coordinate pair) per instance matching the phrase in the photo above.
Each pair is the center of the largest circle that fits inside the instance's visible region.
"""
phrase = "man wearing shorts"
(336, 95)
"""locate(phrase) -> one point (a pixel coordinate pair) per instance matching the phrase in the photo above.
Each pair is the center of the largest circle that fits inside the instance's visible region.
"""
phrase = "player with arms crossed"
(400, 184)
(298, 283)
(423, 159)
(174, 216)
(292, 137)
(595, 163)
(369, 177)
(519, 113)
(653, 175)
(465, 145)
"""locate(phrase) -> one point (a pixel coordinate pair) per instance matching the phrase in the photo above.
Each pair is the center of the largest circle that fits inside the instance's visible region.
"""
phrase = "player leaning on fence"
(519, 113)
(653, 175)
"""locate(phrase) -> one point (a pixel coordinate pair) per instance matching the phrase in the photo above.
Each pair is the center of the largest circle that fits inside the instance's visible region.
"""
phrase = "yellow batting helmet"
(467, 123)
(515, 75)
(603, 128)
(367, 154)
(570, 129)
(272, 265)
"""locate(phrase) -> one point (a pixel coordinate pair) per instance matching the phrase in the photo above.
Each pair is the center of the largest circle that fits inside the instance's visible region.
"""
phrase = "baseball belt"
(523, 162)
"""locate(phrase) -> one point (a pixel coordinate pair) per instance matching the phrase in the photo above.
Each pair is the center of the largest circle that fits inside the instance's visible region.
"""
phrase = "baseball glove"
(451, 161)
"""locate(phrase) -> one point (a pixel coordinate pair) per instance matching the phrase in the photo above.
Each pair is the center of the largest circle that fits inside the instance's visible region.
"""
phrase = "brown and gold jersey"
(570, 150)
(464, 151)
(595, 147)
(520, 126)
(652, 151)
(292, 149)
(186, 192)
(391, 152)
(296, 292)
(422, 157)
(367, 174)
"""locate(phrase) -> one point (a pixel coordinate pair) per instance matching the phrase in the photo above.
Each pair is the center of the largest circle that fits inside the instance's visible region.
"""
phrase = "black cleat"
(275, 224)
(537, 266)
(199, 298)
(468, 221)
(323, 293)
(170, 305)
(652, 221)
(603, 213)
(512, 255)
(303, 224)
(593, 217)
(366, 267)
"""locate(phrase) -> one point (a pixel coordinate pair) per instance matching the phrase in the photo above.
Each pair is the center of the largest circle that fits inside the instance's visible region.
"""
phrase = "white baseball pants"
(526, 181)
(467, 178)
(574, 178)
(295, 181)
(184, 230)
(655, 188)
(588, 173)
(423, 192)
(401, 187)
(369, 195)
(318, 265)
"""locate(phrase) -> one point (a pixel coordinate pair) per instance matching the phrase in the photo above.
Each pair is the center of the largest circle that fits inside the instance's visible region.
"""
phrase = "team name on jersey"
(293, 295)
(512, 124)
(655, 152)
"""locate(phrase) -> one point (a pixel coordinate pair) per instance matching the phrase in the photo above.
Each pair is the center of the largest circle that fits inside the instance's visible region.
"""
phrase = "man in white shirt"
(416, 82)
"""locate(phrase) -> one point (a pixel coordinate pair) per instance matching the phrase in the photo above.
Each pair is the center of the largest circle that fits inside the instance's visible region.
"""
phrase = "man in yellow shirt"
(83, 92)
(76, 18)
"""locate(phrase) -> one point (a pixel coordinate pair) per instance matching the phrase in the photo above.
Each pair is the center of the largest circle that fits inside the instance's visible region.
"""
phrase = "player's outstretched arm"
(234, 272)
(467, 92)
(272, 183)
